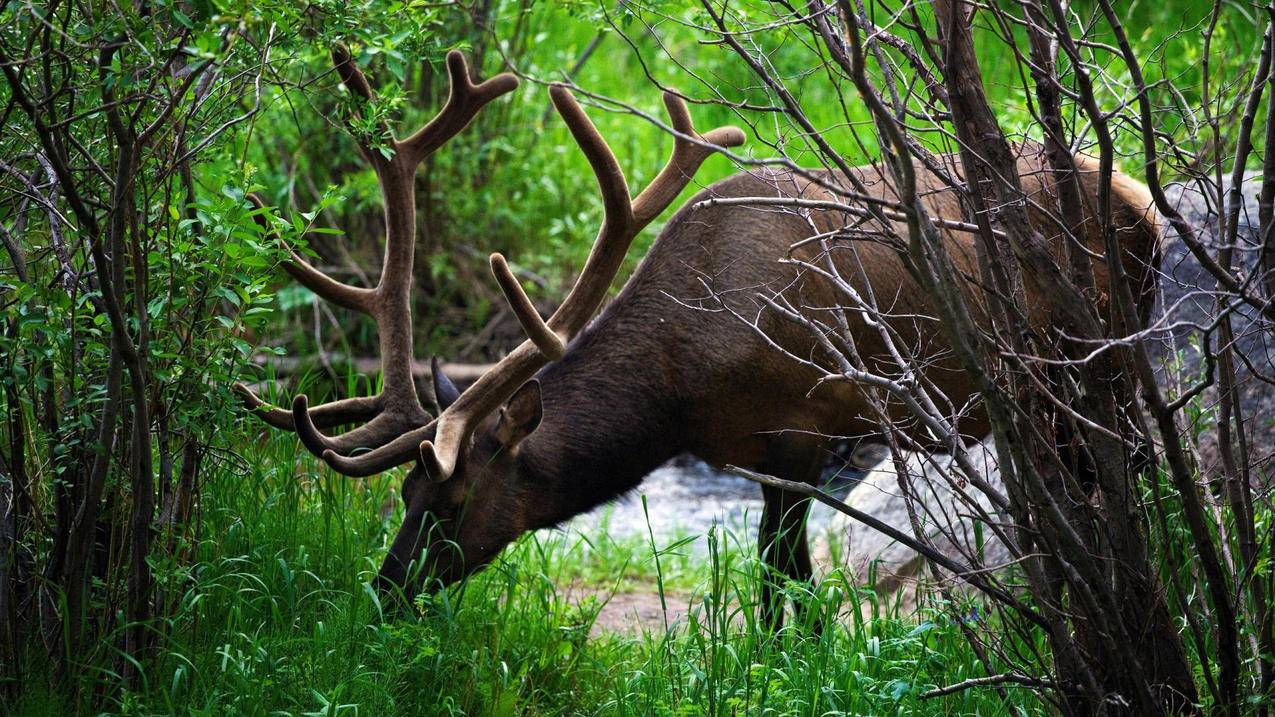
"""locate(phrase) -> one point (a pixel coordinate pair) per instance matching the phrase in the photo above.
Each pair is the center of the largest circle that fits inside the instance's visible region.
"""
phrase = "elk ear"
(445, 392)
(520, 415)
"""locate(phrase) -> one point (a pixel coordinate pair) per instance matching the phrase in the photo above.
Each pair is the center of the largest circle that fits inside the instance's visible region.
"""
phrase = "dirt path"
(637, 612)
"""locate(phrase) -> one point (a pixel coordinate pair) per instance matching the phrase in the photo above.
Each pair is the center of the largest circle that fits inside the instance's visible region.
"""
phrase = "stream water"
(685, 496)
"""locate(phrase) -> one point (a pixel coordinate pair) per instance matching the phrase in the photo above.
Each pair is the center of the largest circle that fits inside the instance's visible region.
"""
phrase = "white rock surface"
(948, 520)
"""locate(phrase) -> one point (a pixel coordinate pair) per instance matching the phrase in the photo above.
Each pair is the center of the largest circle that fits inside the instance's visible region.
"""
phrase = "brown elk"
(580, 413)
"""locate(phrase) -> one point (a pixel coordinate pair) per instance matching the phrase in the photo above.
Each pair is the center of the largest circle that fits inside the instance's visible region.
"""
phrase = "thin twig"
(1007, 678)
(963, 572)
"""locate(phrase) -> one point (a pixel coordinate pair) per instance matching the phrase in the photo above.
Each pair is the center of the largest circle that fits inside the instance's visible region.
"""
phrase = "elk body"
(691, 356)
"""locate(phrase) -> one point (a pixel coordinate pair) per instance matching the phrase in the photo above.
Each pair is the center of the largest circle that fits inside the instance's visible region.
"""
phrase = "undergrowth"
(276, 617)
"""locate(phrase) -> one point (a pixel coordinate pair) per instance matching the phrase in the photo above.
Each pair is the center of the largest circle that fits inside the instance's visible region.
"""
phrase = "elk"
(582, 411)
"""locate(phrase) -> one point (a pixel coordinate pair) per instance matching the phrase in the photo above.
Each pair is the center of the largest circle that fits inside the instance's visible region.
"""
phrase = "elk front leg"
(781, 536)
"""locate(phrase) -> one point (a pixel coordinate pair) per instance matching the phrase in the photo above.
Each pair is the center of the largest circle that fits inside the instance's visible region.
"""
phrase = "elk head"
(465, 498)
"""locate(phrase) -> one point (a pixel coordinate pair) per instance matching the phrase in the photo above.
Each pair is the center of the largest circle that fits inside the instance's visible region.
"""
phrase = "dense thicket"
(136, 282)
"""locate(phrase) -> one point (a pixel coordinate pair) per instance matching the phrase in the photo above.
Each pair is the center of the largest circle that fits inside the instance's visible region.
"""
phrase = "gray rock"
(945, 512)
(1186, 302)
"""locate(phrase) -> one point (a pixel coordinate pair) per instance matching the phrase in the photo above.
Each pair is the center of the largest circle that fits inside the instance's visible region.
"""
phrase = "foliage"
(132, 290)
(222, 573)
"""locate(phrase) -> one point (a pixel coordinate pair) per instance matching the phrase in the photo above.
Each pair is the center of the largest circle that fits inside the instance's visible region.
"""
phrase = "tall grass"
(276, 616)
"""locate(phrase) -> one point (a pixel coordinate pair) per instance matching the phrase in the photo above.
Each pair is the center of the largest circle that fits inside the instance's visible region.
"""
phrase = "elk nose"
(396, 600)
(391, 584)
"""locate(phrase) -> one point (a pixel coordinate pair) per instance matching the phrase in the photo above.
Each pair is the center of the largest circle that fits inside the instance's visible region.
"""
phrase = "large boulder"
(945, 511)
(1186, 303)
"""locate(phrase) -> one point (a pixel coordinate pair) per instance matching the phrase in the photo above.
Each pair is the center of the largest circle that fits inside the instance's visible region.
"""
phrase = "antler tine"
(611, 182)
(690, 149)
(351, 76)
(383, 427)
(336, 413)
(464, 101)
(350, 297)
(356, 82)
(401, 450)
(550, 344)
(622, 221)
(618, 220)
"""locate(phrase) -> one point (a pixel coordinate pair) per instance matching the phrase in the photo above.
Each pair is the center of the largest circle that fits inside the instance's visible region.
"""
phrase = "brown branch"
(1011, 678)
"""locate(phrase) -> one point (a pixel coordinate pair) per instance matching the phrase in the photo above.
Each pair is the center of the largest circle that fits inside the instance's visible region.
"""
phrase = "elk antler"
(397, 409)
(622, 221)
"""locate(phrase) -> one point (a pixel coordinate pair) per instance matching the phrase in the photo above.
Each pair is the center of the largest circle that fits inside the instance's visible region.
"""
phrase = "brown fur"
(665, 370)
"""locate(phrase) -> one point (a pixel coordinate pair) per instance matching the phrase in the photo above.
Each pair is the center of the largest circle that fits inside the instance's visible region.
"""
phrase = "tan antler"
(397, 409)
(623, 219)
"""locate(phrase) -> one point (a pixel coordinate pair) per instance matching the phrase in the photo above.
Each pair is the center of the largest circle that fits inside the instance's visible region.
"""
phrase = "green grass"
(276, 617)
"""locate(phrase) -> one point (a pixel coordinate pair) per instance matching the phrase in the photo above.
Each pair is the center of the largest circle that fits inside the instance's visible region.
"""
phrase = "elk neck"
(605, 427)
